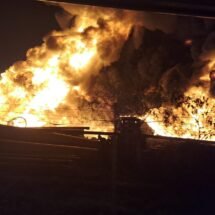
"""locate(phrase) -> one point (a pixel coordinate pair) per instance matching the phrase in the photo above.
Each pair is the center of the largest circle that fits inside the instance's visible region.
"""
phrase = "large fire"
(51, 86)
(193, 116)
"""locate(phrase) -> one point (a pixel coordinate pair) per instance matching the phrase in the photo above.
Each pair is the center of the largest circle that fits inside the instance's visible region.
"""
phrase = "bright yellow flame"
(32, 121)
(51, 96)
(80, 60)
(51, 86)
(76, 88)
(194, 118)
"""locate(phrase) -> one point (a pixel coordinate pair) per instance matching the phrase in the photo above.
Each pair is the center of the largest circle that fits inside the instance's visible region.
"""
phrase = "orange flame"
(194, 118)
(48, 87)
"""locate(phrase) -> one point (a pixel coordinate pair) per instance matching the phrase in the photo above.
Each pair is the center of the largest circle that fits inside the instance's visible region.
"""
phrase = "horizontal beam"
(204, 8)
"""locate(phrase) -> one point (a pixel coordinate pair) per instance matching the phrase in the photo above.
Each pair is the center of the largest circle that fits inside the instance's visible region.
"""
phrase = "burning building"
(154, 66)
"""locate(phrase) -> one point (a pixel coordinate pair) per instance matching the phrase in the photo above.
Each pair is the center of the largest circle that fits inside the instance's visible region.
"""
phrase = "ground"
(173, 179)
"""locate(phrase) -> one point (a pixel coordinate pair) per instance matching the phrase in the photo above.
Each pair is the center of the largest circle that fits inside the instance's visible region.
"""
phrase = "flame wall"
(159, 71)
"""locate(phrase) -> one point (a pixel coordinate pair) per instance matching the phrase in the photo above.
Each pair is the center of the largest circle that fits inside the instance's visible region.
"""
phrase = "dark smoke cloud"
(143, 77)
(155, 65)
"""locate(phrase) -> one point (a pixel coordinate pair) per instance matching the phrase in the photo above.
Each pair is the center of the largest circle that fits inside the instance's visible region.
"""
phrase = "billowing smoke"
(190, 110)
(54, 85)
(164, 75)
(148, 58)
(105, 61)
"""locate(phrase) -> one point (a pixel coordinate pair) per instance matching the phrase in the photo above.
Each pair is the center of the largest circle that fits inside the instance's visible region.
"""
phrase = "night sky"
(23, 26)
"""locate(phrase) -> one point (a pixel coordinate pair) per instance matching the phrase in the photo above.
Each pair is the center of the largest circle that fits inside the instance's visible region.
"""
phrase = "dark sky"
(22, 26)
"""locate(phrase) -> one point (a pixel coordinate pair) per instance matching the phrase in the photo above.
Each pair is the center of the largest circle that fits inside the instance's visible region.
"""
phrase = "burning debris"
(163, 73)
